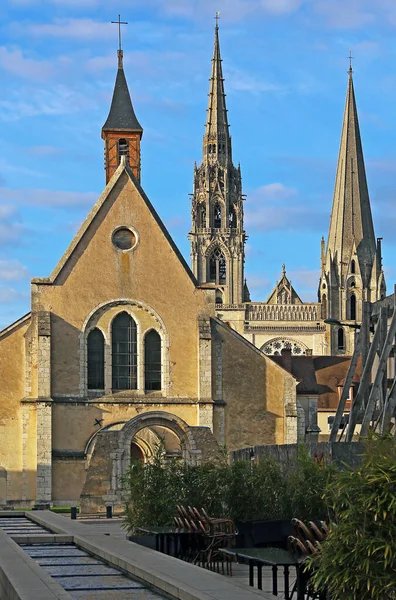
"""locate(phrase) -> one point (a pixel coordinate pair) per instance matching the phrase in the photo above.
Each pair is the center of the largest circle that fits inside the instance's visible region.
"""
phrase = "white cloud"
(85, 29)
(45, 150)
(12, 270)
(58, 100)
(11, 228)
(15, 62)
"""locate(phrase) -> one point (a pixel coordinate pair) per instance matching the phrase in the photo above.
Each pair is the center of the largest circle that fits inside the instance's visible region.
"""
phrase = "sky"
(285, 65)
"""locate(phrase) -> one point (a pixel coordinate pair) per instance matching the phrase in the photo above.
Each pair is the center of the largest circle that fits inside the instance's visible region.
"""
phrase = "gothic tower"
(122, 131)
(217, 236)
(352, 262)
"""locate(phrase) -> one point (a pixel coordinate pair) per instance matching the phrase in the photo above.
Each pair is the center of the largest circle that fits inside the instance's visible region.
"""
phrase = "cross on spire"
(216, 18)
(119, 23)
(350, 62)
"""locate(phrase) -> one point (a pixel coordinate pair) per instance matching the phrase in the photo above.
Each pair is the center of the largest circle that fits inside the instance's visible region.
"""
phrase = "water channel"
(82, 575)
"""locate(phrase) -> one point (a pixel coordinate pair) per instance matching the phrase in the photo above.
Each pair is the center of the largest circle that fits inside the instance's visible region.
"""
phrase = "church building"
(125, 346)
(351, 261)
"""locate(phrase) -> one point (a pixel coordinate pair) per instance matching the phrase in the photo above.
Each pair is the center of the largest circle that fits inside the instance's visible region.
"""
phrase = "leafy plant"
(358, 559)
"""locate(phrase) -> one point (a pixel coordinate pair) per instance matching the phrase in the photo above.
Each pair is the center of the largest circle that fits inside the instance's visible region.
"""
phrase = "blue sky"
(285, 64)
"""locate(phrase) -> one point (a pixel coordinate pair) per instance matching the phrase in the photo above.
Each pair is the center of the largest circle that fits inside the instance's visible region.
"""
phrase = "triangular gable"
(123, 167)
(284, 292)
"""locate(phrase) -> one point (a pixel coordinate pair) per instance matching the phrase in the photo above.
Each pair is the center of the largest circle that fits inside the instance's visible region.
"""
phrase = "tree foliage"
(243, 491)
(358, 559)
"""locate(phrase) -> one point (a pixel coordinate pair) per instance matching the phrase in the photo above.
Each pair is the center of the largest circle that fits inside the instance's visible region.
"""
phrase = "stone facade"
(70, 424)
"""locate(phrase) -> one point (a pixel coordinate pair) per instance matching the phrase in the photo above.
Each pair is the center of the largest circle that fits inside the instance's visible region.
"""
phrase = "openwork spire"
(351, 221)
(217, 122)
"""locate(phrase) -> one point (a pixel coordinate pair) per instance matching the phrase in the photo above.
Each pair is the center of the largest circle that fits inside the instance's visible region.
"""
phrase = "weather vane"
(119, 23)
(217, 17)
(350, 61)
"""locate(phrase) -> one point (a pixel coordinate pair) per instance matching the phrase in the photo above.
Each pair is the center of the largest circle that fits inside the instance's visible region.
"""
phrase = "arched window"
(217, 267)
(95, 362)
(152, 361)
(219, 297)
(353, 266)
(341, 342)
(217, 216)
(352, 304)
(232, 220)
(124, 353)
(324, 306)
(123, 148)
(202, 216)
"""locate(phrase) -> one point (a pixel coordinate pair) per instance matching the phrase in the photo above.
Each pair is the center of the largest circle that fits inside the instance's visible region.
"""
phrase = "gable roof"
(284, 291)
(123, 168)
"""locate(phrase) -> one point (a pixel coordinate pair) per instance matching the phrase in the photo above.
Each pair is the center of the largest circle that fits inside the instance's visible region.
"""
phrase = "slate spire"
(122, 131)
(217, 121)
(122, 116)
(351, 221)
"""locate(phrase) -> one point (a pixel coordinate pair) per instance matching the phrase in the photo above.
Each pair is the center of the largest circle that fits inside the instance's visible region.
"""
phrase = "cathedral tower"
(122, 131)
(217, 236)
(351, 262)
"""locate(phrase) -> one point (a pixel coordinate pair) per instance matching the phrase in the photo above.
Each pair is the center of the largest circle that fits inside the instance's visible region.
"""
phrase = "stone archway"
(111, 455)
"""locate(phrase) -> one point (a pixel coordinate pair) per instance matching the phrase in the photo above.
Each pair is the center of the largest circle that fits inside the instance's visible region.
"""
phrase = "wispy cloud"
(15, 62)
(38, 197)
(278, 207)
(11, 228)
(12, 270)
(58, 100)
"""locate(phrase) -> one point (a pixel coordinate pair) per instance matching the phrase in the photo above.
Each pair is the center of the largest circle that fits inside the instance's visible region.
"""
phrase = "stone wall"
(338, 452)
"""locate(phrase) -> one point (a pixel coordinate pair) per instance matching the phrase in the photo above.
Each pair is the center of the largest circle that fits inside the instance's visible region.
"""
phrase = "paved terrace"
(21, 578)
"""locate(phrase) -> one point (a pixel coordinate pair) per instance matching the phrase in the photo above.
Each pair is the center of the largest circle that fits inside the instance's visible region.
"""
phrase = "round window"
(124, 239)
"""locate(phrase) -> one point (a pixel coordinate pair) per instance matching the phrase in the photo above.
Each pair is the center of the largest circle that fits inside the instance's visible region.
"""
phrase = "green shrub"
(243, 491)
(358, 559)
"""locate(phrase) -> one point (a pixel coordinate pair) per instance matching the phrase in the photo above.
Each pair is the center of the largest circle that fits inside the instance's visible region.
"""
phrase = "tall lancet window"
(232, 220)
(340, 340)
(202, 216)
(95, 360)
(217, 267)
(152, 361)
(124, 353)
(353, 266)
(352, 307)
(123, 148)
(217, 216)
(324, 306)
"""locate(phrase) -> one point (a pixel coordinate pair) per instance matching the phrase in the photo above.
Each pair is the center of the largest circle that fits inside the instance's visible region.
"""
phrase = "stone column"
(205, 359)
(44, 410)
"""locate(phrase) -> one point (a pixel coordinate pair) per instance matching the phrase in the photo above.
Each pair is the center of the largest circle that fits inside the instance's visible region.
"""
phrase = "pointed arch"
(340, 339)
(217, 215)
(324, 306)
(95, 360)
(152, 361)
(353, 267)
(123, 148)
(352, 307)
(232, 217)
(202, 215)
(217, 266)
(124, 352)
(219, 297)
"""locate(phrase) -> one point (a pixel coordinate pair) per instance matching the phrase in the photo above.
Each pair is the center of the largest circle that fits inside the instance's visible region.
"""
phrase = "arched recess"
(124, 353)
(99, 317)
(156, 419)
(217, 266)
(324, 306)
(152, 361)
(275, 346)
(217, 215)
(95, 359)
(123, 148)
(340, 339)
(352, 307)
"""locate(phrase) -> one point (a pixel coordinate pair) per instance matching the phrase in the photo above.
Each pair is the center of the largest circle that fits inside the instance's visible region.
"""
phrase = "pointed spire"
(351, 221)
(217, 121)
(122, 116)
